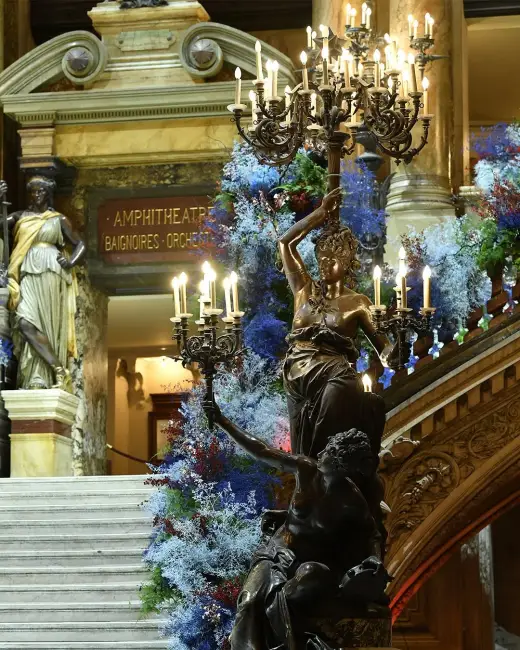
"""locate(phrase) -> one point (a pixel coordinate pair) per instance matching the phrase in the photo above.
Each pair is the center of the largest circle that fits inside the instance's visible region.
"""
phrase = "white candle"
(325, 35)
(377, 69)
(305, 72)
(402, 261)
(313, 43)
(369, 18)
(309, 37)
(410, 25)
(377, 286)
(404, 297)
(314, 99)
(364, 13)
(367, 384)
(238, 91)
(183, 281)
(176, 297)
(276, 67)
(259, 71)
(426, 85)
(288, 103)
(202, 299)
(252, 99)
(405, 84)
(325, 57)
(213, 289)
(234, 288)
(415, 28)
(427, 274)
(353, 15)
(398, 289)
(413, 78)
(349, 11)
(432, 22)
(427, 25)
(227, 296)
(269, 80)
(350, 60)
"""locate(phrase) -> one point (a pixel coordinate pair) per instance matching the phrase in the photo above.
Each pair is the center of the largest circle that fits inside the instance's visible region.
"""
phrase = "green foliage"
(156, 592)
(307, 177)
(497, 244)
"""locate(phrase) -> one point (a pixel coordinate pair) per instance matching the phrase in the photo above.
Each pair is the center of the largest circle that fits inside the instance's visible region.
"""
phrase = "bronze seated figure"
(323, 563)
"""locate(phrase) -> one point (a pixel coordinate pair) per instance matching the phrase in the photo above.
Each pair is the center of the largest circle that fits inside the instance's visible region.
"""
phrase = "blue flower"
(386, 378)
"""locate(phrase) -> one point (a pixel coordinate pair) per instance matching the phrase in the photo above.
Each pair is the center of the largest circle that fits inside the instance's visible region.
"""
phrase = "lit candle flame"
(303, 58)
(367, 384)
(377, 273)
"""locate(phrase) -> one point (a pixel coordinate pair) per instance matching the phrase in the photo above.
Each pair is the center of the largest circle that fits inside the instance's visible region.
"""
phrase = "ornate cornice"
(50, 61)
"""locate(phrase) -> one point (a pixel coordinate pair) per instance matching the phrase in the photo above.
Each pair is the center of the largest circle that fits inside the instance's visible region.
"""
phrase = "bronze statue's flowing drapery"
(324, 392)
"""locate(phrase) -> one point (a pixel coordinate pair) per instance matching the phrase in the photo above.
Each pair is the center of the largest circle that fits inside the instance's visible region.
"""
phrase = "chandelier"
(353, 83)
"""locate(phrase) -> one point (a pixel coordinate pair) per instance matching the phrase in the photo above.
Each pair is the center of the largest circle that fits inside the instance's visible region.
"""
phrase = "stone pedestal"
(41, 422)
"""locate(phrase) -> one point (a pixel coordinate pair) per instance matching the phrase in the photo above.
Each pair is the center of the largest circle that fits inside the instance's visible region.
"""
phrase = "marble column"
(421, 192)
(329, 12)
(90, 379)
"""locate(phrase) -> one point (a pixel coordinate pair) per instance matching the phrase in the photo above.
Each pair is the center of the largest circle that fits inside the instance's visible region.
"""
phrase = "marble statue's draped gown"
(45, 295)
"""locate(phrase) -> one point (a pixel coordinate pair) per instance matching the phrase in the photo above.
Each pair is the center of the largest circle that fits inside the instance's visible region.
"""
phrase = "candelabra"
(403, 319)
(209, 348)
(343, 88)
(399, 324)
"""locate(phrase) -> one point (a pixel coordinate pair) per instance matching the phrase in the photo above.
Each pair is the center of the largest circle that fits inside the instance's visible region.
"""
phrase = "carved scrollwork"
(201, 56)
(396, 454)
(423, 482)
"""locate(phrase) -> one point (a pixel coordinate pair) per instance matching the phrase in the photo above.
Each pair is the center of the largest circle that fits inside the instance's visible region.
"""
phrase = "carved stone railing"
(451, 453)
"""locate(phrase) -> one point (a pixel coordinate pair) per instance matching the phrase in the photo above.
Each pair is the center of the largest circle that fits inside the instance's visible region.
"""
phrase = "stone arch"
(48, 62)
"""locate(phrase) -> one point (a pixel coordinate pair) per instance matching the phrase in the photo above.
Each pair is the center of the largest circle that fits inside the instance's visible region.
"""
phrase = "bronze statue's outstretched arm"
(293, 265)
(258, 448)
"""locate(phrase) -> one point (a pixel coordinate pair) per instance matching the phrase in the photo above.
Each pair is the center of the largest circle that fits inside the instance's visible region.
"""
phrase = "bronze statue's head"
(336, 254)
(40, 191)
(349, 452)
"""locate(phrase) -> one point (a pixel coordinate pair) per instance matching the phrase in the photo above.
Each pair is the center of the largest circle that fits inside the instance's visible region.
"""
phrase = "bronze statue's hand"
(64, 262)
(3, 188)
(332, 200)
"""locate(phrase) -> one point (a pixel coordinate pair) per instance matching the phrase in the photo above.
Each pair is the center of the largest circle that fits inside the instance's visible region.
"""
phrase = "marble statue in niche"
(42, 289)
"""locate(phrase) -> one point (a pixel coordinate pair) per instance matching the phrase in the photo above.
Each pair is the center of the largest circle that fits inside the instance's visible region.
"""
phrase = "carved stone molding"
(450, 485)
(50, 61)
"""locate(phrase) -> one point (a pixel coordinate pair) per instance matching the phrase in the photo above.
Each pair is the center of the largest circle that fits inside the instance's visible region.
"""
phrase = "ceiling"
(50, 18)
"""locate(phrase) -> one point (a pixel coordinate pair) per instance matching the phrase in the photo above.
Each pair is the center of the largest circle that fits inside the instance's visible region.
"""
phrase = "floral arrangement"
(497, 174)
(450, 249)
(209, 494)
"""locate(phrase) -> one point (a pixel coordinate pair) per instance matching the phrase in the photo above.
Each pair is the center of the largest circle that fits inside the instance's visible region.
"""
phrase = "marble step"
(109, 592)
(70, 612)
(36, 512)
(70, 558)
(101, 540)
(86, 645)
(73, 483)
(72, 575)
(95, 526)
(93, 631)
(39, 498)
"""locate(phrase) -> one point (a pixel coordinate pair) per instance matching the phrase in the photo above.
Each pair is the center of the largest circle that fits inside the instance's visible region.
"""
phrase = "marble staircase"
(70, 564)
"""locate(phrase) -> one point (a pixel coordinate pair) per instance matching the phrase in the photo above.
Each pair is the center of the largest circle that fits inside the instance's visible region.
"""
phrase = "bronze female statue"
(42, 289)
(326, 554)
(324, 392)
